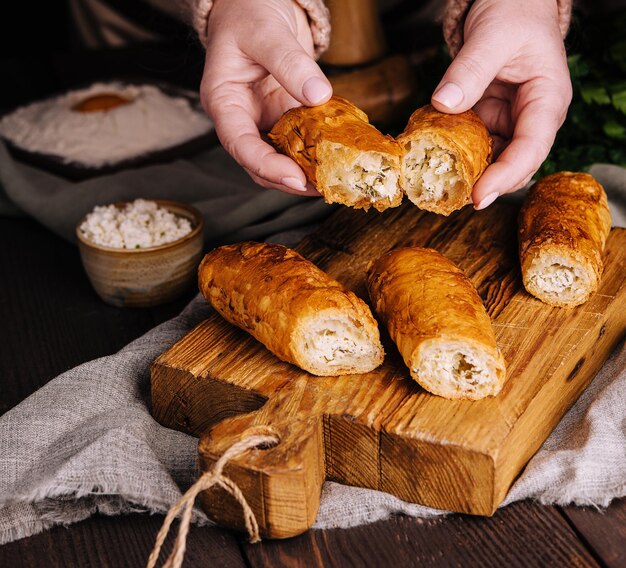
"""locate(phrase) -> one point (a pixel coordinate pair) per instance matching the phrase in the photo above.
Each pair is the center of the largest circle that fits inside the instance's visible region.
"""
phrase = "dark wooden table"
(51, 320)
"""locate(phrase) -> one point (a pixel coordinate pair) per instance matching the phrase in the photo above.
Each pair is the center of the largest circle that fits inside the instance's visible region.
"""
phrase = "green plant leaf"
(578, 67)
(614, 130)
(618, 54)
(595, 94)
(618, 97)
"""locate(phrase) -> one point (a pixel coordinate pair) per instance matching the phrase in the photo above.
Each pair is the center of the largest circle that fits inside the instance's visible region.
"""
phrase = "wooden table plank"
(603, 531)
(114, 542)
(49, 308)
(522, 534)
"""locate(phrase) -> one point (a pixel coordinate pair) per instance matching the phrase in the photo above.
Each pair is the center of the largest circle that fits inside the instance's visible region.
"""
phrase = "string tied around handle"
(258, 437)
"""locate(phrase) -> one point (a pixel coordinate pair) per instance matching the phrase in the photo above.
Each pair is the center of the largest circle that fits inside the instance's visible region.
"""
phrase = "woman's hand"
(512, 69)
(259, 63)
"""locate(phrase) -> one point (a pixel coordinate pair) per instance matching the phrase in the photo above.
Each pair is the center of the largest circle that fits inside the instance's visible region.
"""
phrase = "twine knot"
(256, 438)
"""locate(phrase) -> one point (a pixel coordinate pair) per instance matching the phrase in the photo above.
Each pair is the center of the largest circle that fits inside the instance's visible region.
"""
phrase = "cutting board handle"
(282, 484)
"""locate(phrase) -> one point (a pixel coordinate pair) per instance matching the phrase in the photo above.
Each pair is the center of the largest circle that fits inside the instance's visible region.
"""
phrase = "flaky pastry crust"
(438, 321)
(563, 226)
(463, 137)
(326, 141)
(292, 307)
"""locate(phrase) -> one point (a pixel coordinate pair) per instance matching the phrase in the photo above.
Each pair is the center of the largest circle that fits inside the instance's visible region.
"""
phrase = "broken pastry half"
(342, 154)
(443, 157)
(437, 319)
(563, 226)
(295, 309)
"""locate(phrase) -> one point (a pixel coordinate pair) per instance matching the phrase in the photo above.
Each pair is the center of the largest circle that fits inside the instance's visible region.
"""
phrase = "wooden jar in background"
(359, 66)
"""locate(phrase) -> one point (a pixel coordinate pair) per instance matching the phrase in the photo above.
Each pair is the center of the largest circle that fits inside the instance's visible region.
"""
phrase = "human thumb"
(295, 70)
(470, 73)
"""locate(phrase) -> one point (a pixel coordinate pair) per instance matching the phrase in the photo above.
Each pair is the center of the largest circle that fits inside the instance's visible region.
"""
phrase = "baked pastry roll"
(296, 310)
(437, 319)
(444, 155)
(563, 225)
(342, 154)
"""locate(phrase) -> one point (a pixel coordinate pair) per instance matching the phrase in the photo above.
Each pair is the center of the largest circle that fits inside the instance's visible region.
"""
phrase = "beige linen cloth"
(86, 442)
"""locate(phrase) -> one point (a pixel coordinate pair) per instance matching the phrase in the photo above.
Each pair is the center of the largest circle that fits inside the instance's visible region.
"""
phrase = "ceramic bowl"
(149, 276)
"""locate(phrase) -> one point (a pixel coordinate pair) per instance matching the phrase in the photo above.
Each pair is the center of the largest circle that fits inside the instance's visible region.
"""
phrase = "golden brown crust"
(271, 292)
(565, 215)
(464, 136)
(422, 296)
(300, 132)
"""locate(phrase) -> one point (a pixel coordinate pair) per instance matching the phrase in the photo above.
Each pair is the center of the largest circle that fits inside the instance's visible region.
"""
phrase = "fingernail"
(293, 183)
(315, 90)
(487, 201)
(449, 94)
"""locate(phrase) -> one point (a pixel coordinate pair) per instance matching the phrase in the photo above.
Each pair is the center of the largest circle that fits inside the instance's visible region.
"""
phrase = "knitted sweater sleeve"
(196, 12)
(456, 10)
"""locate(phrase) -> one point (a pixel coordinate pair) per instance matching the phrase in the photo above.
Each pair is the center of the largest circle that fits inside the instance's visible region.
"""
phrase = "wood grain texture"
(456, 455)
(114, 542)
(603, 531)
(48, 305)
(518, 536)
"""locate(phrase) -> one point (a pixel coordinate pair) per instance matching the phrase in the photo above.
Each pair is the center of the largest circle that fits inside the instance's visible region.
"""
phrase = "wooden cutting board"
(381, 430)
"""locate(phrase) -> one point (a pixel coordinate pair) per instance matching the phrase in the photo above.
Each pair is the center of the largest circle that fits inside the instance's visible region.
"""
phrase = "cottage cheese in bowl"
(141, 253)
(139, 224)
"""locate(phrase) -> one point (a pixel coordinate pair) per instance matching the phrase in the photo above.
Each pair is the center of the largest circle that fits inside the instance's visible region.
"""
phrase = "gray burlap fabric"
(86, 442)
(234, 208)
